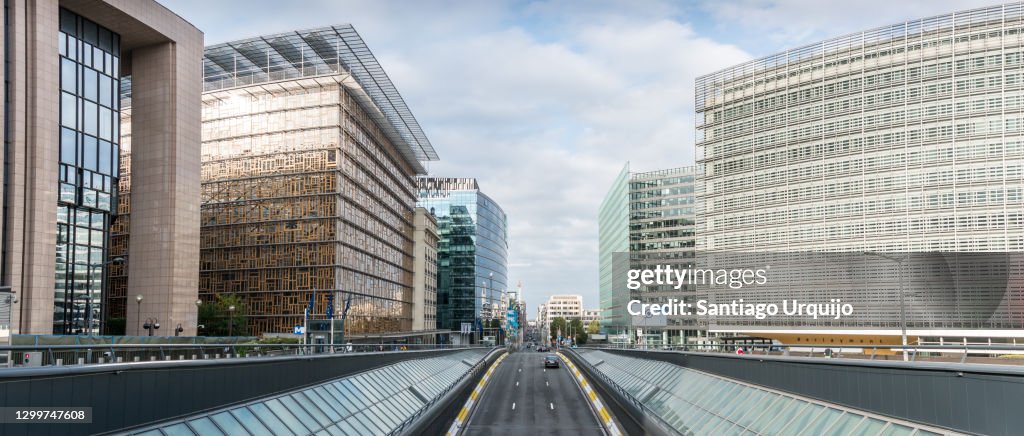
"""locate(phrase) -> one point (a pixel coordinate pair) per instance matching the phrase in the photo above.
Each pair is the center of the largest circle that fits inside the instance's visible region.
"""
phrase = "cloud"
(543, 102)
(545, 125)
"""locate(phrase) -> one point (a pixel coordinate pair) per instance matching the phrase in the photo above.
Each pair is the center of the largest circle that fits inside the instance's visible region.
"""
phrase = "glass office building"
(613, 237)
(309, 159)
(905, 138)
(646, 219)
(472, 253)
(65, 63)
(88, 170)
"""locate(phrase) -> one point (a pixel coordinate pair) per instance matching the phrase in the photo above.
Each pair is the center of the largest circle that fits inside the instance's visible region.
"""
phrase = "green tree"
(594, 327)
(556, 324)
(214, 316)
(578, 331)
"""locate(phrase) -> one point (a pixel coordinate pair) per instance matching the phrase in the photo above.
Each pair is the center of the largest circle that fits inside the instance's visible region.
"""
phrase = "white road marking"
(552, 406)
(520, 370)
(517, 382)
(546, 383)
(513, 406)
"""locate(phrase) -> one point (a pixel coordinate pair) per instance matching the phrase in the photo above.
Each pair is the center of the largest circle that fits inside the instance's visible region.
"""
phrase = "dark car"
(542, 349)
(550, 361)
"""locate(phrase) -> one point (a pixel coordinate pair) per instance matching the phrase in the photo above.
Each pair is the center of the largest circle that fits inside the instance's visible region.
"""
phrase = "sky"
(544, 101)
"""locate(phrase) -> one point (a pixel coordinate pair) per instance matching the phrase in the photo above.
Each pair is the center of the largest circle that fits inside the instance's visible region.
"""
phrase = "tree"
(214, 316)
(594, 327)
(556, 324)
(578, 331)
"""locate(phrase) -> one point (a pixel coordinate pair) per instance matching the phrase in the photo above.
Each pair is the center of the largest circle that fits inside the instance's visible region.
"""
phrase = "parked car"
(550, 361)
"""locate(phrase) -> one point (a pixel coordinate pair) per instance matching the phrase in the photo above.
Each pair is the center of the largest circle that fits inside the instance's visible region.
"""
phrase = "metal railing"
(1012, 354)
(98, 354)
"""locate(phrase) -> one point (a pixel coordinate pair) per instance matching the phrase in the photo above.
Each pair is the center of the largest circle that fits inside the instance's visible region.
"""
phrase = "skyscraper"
(65, 61)
(472, 253)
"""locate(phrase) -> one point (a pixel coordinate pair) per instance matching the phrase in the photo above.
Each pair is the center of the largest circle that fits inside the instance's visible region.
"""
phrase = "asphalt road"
(523, 398)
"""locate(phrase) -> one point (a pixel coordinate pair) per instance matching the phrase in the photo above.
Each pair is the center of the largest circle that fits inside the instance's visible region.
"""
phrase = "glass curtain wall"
(89, 130)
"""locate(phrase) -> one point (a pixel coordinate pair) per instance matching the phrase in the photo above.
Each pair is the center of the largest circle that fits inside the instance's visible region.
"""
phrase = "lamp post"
(199, 304)
(231, 319)
(138, 314)
(152, 324)
(903, 312)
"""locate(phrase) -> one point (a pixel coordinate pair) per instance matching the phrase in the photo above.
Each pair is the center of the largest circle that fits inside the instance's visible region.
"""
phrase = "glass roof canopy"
(380, 401)
(315, 52)
(696, 403)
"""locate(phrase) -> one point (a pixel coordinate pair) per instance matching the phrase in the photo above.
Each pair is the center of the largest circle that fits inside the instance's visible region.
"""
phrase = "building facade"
(591, 315)
(567, 306)
(309, 160)
(613, 237)
(647, 219)
(905, 138)
(472, 252)
(65, 61)
(424, 292)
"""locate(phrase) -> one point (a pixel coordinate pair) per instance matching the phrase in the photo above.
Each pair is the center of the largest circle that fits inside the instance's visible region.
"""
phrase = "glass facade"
(661, 232)
(378, 401)
(904, 138)
(88, 170)
(297, 206)
(697, 403)
(472, 252)
(646, 219)
(309, 158)
(613, 237)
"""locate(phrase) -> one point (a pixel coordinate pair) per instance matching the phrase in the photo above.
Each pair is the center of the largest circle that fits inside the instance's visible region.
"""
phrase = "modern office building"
(64, 63)
(309, 160)
(472, 253)
(613, 237)
(424, 290)
(905, 138)
(659, 210)
(591, 315)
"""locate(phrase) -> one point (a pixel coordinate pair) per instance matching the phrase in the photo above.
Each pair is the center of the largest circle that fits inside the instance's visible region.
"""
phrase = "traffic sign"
(299, 330)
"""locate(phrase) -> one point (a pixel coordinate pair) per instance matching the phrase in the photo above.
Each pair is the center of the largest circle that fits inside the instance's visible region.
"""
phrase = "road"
(523, 398)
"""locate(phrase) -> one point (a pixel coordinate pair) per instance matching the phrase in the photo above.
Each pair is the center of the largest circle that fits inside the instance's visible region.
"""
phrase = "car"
(542, 349)
(550, 361)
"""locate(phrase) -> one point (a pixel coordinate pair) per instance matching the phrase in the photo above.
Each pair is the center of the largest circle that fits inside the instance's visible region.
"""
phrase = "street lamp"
(199, 304)
(231, 319)
(138, 314)
(152, 324)
(903, 312)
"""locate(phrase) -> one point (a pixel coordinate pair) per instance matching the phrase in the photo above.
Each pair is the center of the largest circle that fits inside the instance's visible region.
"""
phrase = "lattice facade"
(303, 196)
